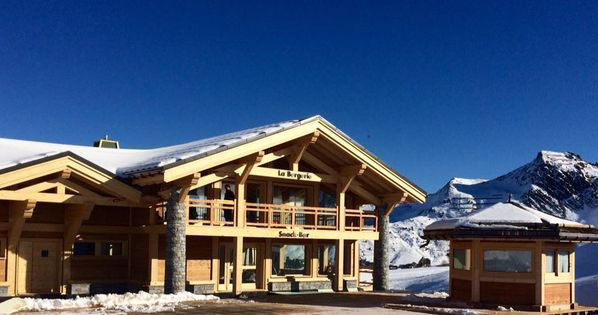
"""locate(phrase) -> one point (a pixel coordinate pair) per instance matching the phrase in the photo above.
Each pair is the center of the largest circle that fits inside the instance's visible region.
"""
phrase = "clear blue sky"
(436, 89)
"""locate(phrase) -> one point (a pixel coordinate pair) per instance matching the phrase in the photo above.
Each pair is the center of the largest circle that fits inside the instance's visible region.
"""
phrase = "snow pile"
(437, 309)
(141, 302)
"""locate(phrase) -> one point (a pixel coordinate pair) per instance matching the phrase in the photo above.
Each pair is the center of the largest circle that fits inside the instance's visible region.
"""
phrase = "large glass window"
(198, 213)
(550, 262)
(326, 259)
(290, 196)
(249, 264)
(84, 248)
(507, 261)
(563, 262)
(460, 258)
(288, 259)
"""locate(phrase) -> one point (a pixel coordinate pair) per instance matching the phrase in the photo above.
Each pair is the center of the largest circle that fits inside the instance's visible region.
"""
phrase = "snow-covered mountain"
(561, 184)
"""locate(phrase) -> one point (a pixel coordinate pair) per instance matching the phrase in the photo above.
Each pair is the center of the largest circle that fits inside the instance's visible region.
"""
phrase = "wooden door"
(37, 267)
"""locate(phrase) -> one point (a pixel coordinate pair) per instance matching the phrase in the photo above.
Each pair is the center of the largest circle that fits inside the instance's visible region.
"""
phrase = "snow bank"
(141, 302)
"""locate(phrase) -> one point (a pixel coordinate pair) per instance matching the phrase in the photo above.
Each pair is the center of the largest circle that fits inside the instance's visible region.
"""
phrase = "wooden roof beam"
(249, 162)
(300, 150)
(394, 199)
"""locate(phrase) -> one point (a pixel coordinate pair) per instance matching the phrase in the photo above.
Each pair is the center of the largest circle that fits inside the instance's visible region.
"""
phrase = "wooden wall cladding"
(99, 268)
(557, 293)
(199, 262)
(48, 213)
(3, 211)
(103, 215)
(139, 257)
(3, 269)
(508, 293)
(140, 216)
(460, 290)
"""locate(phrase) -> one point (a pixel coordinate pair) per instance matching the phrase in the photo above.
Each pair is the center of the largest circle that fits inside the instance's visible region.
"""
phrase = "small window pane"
(460, 259)
(564, 262)
(84, 249)
(507, 261)
(111, 249)
(550, 262)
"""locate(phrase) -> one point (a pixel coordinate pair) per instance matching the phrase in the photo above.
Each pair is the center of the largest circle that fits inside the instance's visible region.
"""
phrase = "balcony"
(224, 212)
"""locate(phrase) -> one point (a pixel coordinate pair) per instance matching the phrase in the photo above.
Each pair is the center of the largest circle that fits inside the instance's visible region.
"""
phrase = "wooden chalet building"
(511, 255)
(77, 220)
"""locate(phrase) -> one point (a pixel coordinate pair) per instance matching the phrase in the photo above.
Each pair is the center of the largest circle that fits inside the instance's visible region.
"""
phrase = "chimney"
(106, 143)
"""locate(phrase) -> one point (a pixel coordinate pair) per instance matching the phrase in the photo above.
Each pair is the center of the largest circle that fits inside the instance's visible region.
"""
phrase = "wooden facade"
(296, 219)
(547, 288)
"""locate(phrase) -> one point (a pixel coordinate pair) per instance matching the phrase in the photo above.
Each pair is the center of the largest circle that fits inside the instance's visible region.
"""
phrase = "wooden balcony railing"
(223, 213)
(212, 212)
(284, 216)
(359, 220)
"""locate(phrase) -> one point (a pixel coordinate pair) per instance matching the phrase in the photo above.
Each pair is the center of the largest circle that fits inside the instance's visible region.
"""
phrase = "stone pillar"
(175, 260)
(381, 261)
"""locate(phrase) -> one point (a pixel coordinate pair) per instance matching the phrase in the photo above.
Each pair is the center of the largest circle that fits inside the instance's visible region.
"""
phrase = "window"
(111, 249)
(507, 261)
(550, 262)
(198, 213)
(460, 259)
(326, 259)
(563, 262)
(288, 260)
(84, 249)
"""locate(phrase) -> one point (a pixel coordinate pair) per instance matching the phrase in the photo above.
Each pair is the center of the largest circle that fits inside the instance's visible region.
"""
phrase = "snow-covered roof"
(127, 161)
(502, 215)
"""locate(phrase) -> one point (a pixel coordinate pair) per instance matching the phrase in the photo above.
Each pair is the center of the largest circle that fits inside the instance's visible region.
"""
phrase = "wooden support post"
(347, 174)
(539, 267)
(238, 266)
(74, 215)
(215, 262)
(314, 259)
(18, 211)
(356, 261)
(240, 183)
(340, 255)
(268, 261)
(154, 264)
(476, 256)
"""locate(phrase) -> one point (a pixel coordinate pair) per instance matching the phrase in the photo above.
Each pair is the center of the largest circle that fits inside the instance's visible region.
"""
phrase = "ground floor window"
(326, 259)
(507, 261)
(550, 262)
(288, 259)
(460, 259)
(563, 262)
(99, 248)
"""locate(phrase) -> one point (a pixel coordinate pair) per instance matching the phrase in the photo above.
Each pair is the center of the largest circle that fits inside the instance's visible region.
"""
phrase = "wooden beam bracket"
(392, 200)
(302, 145)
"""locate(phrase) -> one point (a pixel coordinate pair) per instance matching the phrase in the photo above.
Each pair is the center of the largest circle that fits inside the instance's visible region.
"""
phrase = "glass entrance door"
(225, 269)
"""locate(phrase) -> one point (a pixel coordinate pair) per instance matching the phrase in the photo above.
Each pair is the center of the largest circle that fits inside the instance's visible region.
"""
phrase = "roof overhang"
(68, 161)
(224, 155)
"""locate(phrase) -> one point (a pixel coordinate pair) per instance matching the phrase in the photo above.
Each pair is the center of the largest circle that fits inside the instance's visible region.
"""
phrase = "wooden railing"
(211, 212)
(223, 213)
(284, 216)
(359, 220)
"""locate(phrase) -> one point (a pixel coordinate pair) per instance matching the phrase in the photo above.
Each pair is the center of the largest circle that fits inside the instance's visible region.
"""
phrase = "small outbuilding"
(512, 255)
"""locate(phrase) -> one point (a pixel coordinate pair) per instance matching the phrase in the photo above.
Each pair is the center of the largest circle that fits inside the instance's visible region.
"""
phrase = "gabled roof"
(510, 219)
(133, 163)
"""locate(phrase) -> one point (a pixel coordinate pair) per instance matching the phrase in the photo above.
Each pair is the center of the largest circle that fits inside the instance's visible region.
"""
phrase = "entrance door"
(37, 266)
(253, 261)
(225, 269)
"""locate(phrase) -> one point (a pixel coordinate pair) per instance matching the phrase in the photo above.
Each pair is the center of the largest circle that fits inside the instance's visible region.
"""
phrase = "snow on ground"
(435, 280)
(432, 279)
(141, 302)
(586, 290)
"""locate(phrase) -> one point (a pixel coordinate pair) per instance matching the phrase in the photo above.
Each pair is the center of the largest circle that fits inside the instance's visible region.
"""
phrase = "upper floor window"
(507, 261)
(82, 248)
